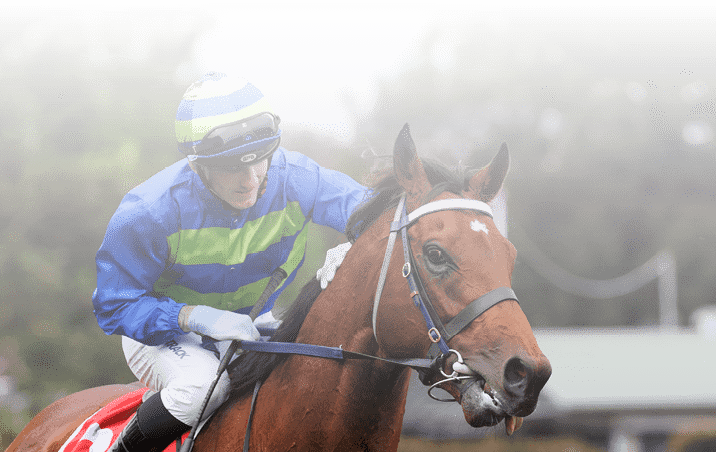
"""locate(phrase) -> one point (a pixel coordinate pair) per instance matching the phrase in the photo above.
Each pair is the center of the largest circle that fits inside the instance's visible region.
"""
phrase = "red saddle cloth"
(100, 430)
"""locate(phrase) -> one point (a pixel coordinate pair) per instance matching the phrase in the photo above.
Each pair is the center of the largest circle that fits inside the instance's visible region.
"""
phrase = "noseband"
(438, 333)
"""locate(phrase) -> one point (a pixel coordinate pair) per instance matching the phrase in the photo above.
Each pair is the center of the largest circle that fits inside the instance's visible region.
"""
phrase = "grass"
(558, 444)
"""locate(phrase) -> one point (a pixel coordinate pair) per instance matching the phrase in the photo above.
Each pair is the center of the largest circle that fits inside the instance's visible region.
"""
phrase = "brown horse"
(309, 403)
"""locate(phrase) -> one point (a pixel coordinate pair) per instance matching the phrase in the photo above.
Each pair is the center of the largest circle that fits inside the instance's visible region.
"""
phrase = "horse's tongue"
(512, 424)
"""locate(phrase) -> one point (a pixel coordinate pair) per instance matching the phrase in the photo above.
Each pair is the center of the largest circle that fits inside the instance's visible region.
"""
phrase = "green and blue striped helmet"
(226, 121)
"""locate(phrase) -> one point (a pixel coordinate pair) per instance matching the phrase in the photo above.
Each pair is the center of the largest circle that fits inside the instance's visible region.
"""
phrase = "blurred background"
(608, 110)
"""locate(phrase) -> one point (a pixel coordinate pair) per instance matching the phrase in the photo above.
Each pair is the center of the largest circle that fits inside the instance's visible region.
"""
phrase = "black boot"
(152, 429)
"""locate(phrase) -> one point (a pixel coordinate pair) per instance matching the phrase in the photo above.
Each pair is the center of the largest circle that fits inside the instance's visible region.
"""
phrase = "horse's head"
(460, 256)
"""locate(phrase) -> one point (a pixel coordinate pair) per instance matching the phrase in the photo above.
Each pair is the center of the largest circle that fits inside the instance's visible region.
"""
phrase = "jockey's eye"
(436, 259)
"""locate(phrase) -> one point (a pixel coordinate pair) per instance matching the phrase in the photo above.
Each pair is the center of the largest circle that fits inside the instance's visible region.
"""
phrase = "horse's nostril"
(516, 371)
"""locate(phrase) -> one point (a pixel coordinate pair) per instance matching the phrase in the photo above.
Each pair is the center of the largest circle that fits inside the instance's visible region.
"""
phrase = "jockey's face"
(238, 186)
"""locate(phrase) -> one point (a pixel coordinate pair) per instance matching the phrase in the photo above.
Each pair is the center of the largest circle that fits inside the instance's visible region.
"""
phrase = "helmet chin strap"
(262, 187)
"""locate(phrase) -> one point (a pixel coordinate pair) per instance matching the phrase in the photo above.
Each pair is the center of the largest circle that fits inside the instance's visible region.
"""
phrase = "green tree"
(82, 123)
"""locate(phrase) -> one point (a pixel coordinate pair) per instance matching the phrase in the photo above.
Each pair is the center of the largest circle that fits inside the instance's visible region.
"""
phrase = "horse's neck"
(341, 315)
(321, 404)
(365, 398)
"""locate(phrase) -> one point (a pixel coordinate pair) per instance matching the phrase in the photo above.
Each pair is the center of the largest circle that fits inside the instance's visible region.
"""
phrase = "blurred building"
(624, 389)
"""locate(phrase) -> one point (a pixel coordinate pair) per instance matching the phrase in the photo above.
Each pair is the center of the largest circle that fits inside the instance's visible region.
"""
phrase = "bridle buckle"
(406, 270)
(434, 335)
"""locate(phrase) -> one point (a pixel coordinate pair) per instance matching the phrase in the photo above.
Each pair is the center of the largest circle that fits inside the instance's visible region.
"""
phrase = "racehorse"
(452, 248)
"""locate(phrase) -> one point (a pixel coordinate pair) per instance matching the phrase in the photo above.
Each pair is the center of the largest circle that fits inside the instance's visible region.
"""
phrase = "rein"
(438, 333)
(323, 351)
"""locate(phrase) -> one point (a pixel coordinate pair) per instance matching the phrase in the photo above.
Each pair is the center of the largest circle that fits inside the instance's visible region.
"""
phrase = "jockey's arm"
(133, 255)
(337, 197)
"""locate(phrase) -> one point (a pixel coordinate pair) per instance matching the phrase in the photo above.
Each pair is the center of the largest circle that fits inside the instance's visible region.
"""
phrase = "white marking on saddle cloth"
(80, 428)
(101, 438)
(478, 226)
(77, 430)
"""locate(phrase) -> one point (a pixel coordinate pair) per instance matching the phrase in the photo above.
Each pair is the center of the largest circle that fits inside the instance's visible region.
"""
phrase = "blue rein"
(438, 333)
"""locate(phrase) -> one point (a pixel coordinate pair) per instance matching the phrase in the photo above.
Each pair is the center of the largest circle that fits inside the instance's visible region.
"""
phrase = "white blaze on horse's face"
(478, 226)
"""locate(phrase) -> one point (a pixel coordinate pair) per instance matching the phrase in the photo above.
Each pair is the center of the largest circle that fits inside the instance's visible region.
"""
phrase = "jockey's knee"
(184, 398)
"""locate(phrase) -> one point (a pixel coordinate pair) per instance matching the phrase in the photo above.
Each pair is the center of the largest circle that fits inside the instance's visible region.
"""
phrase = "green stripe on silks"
(231, 246)
(245, 296)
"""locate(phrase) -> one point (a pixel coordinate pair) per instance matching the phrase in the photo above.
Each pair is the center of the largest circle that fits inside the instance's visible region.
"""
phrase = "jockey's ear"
(485, 184)
(409, 169)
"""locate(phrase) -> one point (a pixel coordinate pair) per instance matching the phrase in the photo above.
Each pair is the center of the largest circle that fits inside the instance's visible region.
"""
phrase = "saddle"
(100, 430)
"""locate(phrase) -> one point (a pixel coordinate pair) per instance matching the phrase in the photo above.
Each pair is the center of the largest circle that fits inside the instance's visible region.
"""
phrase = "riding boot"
(152, 429)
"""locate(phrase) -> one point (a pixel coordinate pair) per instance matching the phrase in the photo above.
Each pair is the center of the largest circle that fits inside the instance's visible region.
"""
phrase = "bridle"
(438, 332)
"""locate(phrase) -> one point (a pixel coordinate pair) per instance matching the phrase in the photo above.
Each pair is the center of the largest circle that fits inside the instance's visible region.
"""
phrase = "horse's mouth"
(482, 406)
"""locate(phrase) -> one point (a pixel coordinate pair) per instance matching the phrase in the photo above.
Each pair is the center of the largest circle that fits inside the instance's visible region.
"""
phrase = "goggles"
(240, 143)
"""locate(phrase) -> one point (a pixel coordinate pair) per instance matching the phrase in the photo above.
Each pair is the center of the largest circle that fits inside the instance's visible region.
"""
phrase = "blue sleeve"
(332, 195)
(132, 256)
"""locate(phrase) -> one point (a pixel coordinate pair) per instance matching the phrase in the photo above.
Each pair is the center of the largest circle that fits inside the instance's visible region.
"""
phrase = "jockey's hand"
(219, 324)
(334, 258)
(267, 320)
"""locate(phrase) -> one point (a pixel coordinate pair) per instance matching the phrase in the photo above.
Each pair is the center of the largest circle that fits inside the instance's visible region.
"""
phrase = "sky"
(302, 62)
(340, 48)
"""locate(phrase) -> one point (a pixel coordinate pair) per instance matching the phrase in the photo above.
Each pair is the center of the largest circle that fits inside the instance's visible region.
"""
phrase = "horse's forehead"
(461, 231)
(465, 223)
(479, 226)
(465, 228)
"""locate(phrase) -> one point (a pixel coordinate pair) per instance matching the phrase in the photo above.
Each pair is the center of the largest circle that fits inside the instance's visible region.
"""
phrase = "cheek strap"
(262, 188)
(264, 183)
(198, 169)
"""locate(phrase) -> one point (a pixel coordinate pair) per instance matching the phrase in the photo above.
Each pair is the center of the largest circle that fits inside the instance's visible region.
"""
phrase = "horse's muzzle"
(522, 383)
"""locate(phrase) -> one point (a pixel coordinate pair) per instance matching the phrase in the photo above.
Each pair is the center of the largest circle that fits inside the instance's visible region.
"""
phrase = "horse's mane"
(251, 367)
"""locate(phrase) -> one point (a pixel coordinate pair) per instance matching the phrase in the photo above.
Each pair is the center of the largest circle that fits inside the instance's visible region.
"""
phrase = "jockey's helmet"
(225, 121)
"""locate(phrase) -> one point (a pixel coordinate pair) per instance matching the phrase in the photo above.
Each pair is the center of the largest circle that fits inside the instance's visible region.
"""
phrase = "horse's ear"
(485, 184)
(408, 168)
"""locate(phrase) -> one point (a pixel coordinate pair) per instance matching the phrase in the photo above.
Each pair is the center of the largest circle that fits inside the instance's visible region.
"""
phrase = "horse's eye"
(436, 259)
(436, 255)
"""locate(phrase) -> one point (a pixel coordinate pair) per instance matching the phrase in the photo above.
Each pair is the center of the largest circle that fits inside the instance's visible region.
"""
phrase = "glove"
(267, 320)
(334, 258)
(221, 325)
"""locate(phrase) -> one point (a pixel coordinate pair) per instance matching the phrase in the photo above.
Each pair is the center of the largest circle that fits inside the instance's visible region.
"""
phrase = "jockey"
(191, 249)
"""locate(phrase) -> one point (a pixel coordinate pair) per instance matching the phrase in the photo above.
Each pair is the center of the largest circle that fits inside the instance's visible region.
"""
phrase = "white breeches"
(183, 371)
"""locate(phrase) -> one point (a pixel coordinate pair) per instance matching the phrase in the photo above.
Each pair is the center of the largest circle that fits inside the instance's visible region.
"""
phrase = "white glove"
(267, 320)
(334, 258)
(221, 325)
